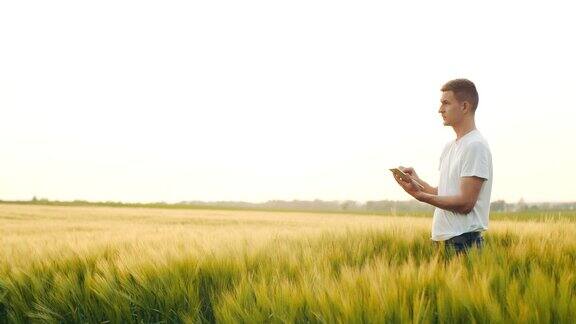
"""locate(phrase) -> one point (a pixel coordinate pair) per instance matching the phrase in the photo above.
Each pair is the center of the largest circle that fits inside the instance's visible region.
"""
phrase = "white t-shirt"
(468, 156)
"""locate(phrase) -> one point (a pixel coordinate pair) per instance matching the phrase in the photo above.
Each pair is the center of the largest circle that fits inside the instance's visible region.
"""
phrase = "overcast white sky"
(258, 100)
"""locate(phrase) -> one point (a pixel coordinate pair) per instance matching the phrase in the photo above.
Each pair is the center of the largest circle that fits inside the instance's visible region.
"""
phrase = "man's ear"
(466, 108)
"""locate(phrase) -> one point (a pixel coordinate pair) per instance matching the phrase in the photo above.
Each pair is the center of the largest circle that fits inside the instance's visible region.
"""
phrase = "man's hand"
(409, 171)
(409, 186)
(412, 173)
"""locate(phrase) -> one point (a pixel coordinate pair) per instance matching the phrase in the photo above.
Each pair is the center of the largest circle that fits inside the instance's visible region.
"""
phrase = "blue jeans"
(461, 244)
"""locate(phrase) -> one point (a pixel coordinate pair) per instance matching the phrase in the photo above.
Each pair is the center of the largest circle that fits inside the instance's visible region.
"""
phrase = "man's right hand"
(427, 188)
(409, 171)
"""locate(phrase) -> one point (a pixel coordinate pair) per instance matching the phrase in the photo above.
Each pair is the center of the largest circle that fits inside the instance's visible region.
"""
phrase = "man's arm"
(462, 203)
(428, 188)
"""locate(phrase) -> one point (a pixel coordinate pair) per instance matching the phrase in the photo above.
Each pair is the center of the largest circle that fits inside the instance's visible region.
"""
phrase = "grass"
(140, 265)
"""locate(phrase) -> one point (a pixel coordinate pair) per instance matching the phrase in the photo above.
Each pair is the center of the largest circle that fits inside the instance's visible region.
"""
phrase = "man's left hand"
(410, 187)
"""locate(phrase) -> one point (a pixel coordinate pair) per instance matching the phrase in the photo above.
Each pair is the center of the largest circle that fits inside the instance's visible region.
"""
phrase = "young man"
(462, 197)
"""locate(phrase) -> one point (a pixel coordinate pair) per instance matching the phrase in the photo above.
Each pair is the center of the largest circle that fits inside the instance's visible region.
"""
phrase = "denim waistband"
(464, 237)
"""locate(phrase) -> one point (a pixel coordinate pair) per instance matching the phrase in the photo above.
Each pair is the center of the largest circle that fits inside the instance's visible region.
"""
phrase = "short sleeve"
(476, 161)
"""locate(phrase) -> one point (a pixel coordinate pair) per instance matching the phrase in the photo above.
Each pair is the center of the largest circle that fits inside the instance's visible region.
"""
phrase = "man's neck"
(464, 128)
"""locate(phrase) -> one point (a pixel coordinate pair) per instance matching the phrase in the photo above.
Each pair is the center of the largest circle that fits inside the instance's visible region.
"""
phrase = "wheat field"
(145, 265)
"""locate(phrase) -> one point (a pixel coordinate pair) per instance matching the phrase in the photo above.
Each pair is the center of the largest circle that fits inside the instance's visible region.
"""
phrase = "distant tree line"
(380, 206)
(521, 205)
(391, 206)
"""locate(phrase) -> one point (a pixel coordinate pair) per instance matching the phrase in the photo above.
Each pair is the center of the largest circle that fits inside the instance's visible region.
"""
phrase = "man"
(462, 197)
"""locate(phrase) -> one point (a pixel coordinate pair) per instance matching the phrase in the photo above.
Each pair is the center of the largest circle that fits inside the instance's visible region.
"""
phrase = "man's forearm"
(427, 188)
(452, 203)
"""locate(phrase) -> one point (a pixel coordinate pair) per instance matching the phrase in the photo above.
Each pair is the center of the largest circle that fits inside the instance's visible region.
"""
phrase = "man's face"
(450, 109)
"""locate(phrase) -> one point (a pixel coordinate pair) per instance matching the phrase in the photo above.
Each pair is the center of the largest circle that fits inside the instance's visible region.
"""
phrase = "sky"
(257, 100)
